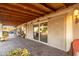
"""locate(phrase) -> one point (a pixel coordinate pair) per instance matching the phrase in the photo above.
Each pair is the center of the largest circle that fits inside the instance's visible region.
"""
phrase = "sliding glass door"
(36, 32)
(43, 32)
(40, 32)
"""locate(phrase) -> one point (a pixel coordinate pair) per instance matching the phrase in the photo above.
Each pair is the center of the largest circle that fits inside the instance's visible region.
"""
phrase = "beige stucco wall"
(56, 32)
(76, 31)
(30, 31)
(60, 31)
(76, 28)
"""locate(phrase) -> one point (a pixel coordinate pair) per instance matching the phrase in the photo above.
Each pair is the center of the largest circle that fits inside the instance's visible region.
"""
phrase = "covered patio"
(45, 29)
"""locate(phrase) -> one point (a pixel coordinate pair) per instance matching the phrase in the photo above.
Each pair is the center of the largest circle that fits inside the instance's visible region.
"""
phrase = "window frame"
(38, 23)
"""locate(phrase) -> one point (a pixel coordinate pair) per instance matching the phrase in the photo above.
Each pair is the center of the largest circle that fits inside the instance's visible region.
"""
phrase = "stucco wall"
(76, 31)
(76, 28)
(56, 32)
(30, 31)
(60, 31)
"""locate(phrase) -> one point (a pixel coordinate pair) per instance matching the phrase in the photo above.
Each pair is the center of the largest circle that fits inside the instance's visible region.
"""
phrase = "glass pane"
(36, 32)
(43, 32)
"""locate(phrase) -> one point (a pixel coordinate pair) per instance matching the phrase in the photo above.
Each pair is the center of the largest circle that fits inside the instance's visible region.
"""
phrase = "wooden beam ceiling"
(17, 9)
(18, 13)
(10, 22)
(39, 7)
(13, 18)
(46, 5)
(14, 13)
(30, 9)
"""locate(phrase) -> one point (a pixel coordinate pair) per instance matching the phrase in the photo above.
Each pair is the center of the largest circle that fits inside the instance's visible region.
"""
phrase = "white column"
(69, 31)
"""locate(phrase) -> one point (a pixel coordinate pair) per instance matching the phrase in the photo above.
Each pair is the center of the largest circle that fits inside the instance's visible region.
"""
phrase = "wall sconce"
(76, 15)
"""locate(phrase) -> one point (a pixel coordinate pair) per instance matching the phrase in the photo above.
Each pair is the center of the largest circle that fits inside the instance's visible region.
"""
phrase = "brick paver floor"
(36, 49)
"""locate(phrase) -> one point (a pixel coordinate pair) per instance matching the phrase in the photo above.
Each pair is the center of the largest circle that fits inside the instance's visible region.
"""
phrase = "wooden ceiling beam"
(48, 7)
(10, 7)
(28, 8)
(2, 15)
(62, 7)
(13, 13)
(39, 7)
(68, 4)
(11, 19)
(65, 5)
(11, 23)
(6, 16)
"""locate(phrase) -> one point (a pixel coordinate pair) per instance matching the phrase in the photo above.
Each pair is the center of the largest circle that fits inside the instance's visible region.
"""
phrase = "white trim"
(39, 32)
(42, 21)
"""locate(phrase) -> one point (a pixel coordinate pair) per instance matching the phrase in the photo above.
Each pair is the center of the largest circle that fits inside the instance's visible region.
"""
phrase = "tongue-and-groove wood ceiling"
(17, 13)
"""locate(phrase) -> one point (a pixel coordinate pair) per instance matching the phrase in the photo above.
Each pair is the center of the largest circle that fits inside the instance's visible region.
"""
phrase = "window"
(36, 32)
(43, 32)
(40, 32)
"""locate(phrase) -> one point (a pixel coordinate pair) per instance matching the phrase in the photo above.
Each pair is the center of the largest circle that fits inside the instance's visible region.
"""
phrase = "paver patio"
(36, 48)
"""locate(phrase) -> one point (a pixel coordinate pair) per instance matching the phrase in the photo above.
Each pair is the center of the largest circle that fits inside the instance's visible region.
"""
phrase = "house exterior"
(61, 28)
(53, 25)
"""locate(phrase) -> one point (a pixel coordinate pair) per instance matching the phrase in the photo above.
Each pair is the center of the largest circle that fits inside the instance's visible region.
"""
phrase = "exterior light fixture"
(76, 15)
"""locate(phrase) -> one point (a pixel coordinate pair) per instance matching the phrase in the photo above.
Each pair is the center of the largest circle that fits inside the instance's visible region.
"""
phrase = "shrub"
(19, 52)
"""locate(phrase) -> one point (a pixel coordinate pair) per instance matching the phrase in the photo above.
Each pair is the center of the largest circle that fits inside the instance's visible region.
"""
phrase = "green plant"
(19, 52)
